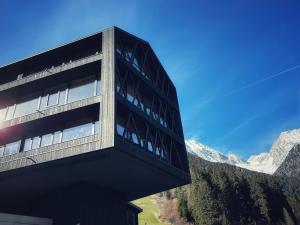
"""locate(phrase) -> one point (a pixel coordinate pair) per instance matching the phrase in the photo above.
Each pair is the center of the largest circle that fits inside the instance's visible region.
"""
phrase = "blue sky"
(236, 64)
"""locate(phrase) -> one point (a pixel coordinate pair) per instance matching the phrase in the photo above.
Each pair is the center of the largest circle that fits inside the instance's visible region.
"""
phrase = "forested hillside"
(224, 194)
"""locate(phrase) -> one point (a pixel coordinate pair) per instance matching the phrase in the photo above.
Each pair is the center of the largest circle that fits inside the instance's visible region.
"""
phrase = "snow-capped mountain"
(266, 162)
(282, 146)
(210, 154)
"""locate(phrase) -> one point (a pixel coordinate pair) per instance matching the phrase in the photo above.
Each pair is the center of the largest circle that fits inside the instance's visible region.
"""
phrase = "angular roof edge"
(68, 43)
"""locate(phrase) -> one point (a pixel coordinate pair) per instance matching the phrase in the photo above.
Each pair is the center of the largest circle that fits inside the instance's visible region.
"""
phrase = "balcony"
(65, 66)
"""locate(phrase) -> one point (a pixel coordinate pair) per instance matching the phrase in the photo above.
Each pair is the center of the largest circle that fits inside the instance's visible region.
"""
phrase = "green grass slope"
(151, 211)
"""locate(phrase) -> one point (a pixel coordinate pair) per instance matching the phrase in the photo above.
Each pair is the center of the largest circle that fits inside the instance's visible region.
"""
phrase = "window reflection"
(77, 132)
(10, 112)
(74, 132)
(57, 137)
(3, 113)
(53, 98)
(46, 140)
(78, 90)
(62, 96)
(81, 90)
(36, 142)
(1, 150)
(97, 127)
(27, 144)
(11, 148)
(26, 107)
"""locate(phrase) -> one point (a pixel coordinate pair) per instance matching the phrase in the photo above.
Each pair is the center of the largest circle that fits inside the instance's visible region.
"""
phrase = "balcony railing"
(51, 71)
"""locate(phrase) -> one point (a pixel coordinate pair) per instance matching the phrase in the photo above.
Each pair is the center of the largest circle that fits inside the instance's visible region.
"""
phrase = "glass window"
(3, 113)
(120, 129)
(44, 100)
(62, 96)
(97, 127)
(98, 88)
(46, 140)
(36, 142)
(135, 138)
(53, 98)
(57, 137)
(27, 144)
(26, 107)
(10, 112)
(1, 150)
(77, 132)
(81, 90)
(11, 148)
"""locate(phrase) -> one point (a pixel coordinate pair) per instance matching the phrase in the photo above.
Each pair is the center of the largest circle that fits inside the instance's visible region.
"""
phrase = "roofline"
(79, 39)
(53, 48)
(68, 43)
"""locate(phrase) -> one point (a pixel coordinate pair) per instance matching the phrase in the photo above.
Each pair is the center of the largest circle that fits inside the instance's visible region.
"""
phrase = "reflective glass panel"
(3, 113)
(1, 150)
(27, 144)
(82, 90)
(97, 127)
(120, 130)
(26, 107)
(36, 142)
(98, 91)
(57, 137)
(53, 98)
(62, 96)
(10, 112)
(46, 140)
(11, 148)
(43, 102)
(77, 132)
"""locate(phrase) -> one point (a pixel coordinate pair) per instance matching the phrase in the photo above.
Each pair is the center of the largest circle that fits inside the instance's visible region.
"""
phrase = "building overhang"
(137, 176)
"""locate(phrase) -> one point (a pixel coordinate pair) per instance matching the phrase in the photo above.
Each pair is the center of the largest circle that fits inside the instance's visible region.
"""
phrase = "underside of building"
(86, 128)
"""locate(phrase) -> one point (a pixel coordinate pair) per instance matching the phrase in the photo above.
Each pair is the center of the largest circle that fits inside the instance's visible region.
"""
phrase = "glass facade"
(78, 131)
(11, 148)
(66, 93)
(3, 114)
(82, 89)
(46, 140)
(27, 106)
(72, 132)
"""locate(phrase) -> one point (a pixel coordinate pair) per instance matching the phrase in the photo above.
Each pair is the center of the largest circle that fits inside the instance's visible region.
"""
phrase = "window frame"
(19, 147)
(59, 88)
(31, 142)
(21, 99)
(40, 140)
(77, 123)
(51, 139)
(77, 82)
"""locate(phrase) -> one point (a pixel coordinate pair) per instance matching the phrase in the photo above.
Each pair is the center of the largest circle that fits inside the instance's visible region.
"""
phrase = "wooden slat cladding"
(107, 107)
(50, 112)
(51, 152)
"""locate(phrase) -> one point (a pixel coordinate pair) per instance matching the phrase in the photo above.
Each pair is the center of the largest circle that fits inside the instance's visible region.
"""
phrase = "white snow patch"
(266, 162)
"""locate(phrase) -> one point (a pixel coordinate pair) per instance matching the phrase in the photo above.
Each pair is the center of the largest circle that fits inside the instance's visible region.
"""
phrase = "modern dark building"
(87, 127)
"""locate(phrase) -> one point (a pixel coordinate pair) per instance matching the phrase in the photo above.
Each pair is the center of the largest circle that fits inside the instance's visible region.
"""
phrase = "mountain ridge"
(290, 166)
(265, 162)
